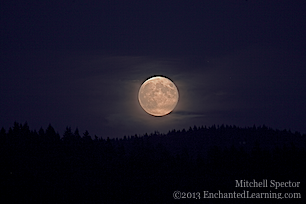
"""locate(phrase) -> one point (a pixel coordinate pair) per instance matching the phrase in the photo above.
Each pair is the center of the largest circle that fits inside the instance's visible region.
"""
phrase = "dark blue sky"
(80, 63)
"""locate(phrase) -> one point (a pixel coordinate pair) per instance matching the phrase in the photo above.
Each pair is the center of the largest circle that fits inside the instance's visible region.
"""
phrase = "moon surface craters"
(158, 96)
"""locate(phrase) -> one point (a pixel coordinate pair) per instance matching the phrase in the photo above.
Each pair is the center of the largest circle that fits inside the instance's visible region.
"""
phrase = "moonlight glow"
(158, 96)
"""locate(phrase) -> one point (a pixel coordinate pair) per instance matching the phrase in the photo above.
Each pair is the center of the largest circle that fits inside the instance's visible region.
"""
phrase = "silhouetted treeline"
(76, 168)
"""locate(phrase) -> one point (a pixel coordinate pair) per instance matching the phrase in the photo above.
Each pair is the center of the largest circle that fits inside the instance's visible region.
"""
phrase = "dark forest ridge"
(197, 140)
(217, 128)
(219, 134)
(42, 167)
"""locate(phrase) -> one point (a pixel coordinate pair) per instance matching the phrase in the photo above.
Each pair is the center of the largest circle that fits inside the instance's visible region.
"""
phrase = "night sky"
(80, 63)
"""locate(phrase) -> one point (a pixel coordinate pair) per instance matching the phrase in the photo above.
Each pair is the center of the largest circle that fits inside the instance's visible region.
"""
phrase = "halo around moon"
(158, 96)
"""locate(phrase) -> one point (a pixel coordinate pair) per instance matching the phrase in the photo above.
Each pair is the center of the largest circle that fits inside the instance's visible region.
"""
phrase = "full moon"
(158, 96)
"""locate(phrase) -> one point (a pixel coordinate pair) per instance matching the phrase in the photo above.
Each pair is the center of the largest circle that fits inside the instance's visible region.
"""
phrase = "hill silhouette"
(44, 167)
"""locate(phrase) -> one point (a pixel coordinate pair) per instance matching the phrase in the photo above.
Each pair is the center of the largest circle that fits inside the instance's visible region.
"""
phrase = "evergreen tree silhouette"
(51, 136)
